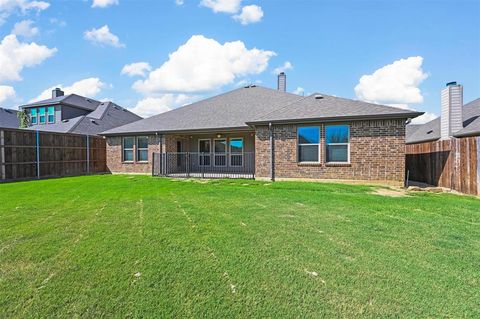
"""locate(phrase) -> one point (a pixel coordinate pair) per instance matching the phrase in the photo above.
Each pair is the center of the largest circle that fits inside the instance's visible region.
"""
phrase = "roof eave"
(192, 131)
(340, 118)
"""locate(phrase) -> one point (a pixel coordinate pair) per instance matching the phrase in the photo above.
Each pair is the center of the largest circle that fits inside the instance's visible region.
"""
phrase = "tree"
(24, 118)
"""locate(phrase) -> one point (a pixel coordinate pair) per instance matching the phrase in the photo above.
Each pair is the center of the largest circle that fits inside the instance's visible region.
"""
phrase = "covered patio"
(207, 155)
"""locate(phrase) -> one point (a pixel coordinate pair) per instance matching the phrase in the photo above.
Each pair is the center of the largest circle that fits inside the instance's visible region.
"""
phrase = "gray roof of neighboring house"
(8, 118)
(229, 110)
(106, 116)
(324, 107)
(238, 108)
(430, 131)
(70, 99)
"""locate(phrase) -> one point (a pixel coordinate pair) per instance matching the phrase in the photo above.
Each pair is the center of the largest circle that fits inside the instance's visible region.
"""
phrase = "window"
(204, 152)
(236, 152)
(220, 152)
(51, 114)
(309, 144)
(128, 149)
(337, 139)
(142, 149)
(41, 113)
(33, 116)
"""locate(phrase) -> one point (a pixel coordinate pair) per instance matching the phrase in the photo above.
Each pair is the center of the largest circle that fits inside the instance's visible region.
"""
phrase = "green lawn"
(137, 246)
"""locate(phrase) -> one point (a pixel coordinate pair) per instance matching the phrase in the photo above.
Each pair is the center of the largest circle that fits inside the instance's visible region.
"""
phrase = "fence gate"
(204, 165)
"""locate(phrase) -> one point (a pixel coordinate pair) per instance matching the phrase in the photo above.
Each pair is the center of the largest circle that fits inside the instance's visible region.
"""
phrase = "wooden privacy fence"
(453, 163)
(26, 154)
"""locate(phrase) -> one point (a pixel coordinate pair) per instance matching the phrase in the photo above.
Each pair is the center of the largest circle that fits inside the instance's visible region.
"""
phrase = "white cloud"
(89, 87)
(25, 29)
(15, 55)
(249, 14)
(6, 93)
(7, 7)
(427, 117)
(103, 36)
(226, 6)
(138, 68)
(203, 64)
(179, 2)
(396, 83)
(103, 3)
(286, 66)
(59, 22)
(299, 91)
(155, 105)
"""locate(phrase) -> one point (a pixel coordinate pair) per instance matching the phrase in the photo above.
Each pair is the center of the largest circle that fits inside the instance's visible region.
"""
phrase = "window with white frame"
(142, 149)
(220, 152)
(51, 114)
(41, 115)
(337, 140)
(33, 116)
(236, 151)
(204, 152)
(308, 143)
(127, 149)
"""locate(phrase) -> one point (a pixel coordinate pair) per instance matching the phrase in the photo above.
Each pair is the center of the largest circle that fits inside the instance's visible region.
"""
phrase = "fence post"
(88, 154)
(38, 154)
(188, 164)
(2, 154)
(203, 164)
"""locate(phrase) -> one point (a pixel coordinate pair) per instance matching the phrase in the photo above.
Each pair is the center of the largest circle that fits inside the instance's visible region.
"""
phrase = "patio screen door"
(220, 151)
(204, 152)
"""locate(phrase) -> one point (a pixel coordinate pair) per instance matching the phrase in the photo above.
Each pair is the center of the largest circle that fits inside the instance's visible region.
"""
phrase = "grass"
(136, 246)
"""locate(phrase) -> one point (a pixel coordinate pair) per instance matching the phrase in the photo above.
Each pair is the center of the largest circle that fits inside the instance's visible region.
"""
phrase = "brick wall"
(377, 153)
(114, 156)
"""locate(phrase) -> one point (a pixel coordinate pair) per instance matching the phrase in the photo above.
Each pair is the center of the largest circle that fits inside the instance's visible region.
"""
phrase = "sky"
(155, 55)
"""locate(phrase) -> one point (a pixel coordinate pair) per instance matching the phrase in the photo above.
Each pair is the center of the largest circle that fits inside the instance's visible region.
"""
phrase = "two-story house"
(73, 113)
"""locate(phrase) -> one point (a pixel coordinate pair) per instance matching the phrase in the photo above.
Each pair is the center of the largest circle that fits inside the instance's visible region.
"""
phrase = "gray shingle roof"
(8, 118)
(70, 99)
(320, 106)
(238, 108)
(229, 110)
(430, 131)
(106, 116)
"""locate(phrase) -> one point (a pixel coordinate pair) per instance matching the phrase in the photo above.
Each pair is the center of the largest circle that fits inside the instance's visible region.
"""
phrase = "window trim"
(40, 116)
(200, 153)
(230, 151)
(336, 144)
(36, 116)
(137, 149)
(48, 115)
(317, 144)
(220, 153)
(128, 149)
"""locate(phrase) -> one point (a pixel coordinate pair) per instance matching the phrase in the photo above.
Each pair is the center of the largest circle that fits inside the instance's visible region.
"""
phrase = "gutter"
(339, 118)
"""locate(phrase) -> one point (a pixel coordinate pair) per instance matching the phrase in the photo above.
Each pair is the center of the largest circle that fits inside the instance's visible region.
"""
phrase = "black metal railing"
(204, 165)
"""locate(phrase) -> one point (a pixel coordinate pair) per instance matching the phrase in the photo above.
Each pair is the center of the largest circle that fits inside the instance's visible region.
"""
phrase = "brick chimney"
(282, 82)
(452, 104)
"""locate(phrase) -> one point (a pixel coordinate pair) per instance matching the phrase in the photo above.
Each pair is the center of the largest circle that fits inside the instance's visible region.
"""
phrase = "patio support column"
(272, 153)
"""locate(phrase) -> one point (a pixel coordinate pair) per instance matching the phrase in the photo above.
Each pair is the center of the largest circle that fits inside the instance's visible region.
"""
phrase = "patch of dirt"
(390, 192)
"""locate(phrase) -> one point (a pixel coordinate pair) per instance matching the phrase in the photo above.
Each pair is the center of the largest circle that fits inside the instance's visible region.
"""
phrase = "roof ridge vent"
(318, 96)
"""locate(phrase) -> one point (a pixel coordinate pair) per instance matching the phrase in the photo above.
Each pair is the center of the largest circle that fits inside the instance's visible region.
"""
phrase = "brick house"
(267, 134)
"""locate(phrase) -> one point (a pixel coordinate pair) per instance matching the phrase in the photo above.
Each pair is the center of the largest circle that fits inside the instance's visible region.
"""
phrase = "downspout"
(272, 153)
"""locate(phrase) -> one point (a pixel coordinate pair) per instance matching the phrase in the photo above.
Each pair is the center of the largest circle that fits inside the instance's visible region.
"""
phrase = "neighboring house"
(8, 118)
(446, 151)
(273, 133)
(465, 121)
(76, 114)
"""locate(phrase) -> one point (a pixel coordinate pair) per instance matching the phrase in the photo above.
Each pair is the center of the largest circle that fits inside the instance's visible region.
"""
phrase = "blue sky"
(405, 50)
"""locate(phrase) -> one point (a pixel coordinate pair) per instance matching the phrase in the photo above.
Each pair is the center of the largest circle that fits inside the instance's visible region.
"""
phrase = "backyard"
(137, 246)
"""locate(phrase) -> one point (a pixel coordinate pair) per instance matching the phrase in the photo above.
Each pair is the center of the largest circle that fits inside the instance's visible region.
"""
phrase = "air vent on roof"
(88, 100)
(318, 96)
(250, 86)
(65, 121)
(116, 107)
(92, 120)
(430, 132)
